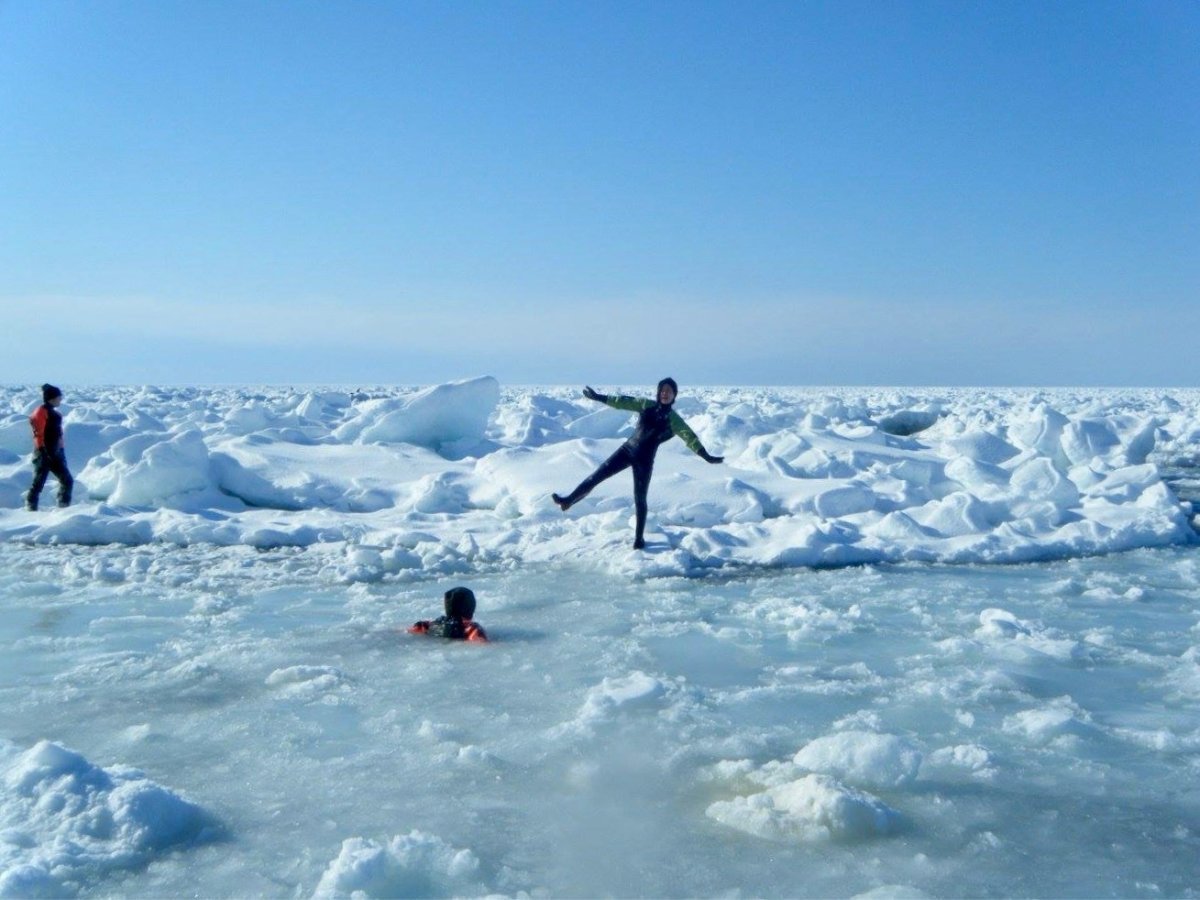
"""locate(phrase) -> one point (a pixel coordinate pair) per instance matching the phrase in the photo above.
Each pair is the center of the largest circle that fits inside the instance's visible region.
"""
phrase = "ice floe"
(416, 864)
(811, 478)
(65, 821)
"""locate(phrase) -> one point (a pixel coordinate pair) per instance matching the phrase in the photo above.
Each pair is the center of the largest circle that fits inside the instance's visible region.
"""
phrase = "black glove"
(591, 394)
(38, 455)
(709, 458)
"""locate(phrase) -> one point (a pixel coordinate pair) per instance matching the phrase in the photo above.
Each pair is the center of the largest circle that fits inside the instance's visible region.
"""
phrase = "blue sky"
(769, 193)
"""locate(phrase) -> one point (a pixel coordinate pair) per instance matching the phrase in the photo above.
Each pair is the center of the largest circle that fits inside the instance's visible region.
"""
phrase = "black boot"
(563, 503)
(639, 543)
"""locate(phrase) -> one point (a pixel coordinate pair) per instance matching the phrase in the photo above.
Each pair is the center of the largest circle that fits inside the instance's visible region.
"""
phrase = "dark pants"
(47, 464)
(624, 458)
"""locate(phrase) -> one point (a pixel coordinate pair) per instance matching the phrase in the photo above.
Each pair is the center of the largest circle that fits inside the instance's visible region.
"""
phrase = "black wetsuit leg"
(618, 462)
(50, 464)
(643, 468)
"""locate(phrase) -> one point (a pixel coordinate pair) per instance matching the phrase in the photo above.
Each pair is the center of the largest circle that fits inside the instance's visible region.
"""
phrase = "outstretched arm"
(684, 433)
(618, 401)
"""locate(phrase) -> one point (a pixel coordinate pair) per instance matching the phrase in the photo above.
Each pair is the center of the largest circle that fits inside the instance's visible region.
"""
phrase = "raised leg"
(620, 460)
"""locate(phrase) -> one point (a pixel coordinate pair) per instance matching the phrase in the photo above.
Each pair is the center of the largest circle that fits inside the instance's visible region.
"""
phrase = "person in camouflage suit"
(657, 423)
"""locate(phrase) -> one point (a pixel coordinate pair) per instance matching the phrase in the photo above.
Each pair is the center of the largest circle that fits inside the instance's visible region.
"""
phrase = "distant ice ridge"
(396, 483)
(64, 821)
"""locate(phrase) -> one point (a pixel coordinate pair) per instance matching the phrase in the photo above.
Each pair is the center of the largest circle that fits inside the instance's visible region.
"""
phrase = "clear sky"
(607, 192)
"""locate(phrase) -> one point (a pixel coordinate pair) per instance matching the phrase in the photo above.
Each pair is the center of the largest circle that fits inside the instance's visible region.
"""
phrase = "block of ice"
(809, 477)
(434, 417)
(862, 757)
(416, 864)
(812, 808)
(66, 819)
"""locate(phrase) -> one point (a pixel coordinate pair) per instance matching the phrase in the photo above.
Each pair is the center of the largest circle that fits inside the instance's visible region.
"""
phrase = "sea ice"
(65, 821)
(810, 478)
(225, 606)
(812, 808)
(409, 865)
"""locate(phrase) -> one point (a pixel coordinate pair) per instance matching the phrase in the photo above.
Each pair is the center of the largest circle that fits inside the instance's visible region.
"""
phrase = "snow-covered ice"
(810, 686)
(459, 475)
(66, 822)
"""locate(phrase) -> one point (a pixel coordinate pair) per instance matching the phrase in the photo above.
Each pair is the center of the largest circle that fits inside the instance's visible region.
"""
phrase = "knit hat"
(49, 392)
(668, 381)
(460, 602)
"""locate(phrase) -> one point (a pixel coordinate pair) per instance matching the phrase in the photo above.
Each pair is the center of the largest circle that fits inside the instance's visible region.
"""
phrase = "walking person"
(49, 449)
(657, 424)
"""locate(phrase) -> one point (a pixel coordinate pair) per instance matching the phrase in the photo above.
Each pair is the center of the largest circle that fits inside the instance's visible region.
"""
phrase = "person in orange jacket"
(457, 623)
(49, 450)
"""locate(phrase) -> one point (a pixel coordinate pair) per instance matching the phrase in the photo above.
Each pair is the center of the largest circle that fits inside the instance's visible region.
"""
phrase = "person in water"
(457, 623)
(657, 424)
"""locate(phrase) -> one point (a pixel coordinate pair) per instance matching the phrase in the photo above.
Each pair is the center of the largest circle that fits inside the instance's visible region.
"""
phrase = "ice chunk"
(812, 808)
(955, 515)
(982, 446)
(435, 417)
(74, 818)
(1060, 717)
(416, 864)
(862, 757)
(1040, 431)
(1118, 440)
(168, 472)
(306, 679)
(844, 501)
(1038, 479)
(604, 700)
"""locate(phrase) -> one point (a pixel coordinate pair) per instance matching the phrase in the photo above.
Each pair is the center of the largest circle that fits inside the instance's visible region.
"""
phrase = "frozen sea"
(933, 643)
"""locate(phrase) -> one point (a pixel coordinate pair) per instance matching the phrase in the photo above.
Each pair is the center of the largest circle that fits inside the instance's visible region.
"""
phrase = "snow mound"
(438, 417)
(1005, 631)
(812, 808)
(971, 760)
(810, 479)
(410, 865)
(153, 470)
(862, 757)
(1057, 719)
(63, 820)
(306, 680)
(612, 697)
(634, 689)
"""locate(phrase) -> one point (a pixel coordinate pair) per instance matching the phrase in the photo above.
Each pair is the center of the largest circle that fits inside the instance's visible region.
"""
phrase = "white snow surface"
(812, 808)
(65, 821)
(459, 475)
(410, 865)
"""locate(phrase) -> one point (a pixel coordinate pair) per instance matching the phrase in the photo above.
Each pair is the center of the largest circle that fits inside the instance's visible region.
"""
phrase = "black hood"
(460, 602)
(674, 388)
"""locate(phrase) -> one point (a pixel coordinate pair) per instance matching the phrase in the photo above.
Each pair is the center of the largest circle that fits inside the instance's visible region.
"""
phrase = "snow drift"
(460, 475)
(64, 820)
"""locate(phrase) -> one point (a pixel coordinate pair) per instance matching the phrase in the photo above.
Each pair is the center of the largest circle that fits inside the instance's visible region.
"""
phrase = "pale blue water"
(162, 658)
